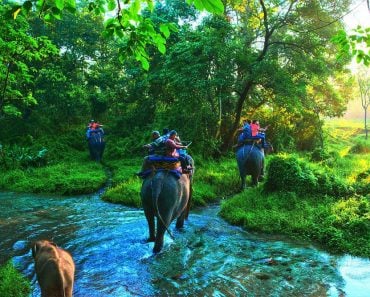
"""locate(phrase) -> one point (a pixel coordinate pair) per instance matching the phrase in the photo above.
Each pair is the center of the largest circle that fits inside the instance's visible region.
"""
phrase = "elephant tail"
(157, 186)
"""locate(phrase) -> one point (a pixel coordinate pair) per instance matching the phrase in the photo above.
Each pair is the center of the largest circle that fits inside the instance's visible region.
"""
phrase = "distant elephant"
(250, 159)
(96, 146)
(165, 196)
(55, 269)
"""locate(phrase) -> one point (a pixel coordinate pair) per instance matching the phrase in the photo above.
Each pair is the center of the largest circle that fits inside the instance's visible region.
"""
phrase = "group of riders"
(252, 133)
(167, 148)
(169, 145)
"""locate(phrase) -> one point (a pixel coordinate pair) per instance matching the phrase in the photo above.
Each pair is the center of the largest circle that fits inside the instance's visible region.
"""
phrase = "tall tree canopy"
(259, 59)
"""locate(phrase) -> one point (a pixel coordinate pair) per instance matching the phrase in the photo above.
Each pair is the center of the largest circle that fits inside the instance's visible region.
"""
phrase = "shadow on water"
(207, 258)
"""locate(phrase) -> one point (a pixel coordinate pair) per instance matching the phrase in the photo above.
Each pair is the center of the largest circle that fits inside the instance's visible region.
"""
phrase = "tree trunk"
(229, 138)
(366, 129)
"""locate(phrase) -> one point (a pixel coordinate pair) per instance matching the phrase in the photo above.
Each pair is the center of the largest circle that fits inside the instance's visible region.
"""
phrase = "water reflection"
(208, 258)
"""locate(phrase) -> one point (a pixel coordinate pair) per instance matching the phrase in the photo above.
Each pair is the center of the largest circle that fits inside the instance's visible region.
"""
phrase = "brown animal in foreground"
(55, 269)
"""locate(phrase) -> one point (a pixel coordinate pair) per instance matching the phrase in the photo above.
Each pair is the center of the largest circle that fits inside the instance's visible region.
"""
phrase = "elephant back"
(249, 151)
(164, 191)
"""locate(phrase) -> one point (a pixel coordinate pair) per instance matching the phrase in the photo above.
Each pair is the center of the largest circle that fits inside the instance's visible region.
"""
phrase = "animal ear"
(34, 250)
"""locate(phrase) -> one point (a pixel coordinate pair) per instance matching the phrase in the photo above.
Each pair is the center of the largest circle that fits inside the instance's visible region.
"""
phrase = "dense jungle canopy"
(197, 72)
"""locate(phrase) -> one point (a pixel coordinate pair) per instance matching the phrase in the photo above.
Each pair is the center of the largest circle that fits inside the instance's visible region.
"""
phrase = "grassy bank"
(321, 196)
(71, 176)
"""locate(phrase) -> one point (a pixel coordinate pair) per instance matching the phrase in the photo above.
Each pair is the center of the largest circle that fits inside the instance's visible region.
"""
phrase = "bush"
(361, 146)
(319, 154)
(12, 283)
(13, 157)
(289, 174)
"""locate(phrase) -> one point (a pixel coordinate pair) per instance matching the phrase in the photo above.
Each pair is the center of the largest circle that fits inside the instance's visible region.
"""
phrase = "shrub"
(12, 283)
(288, 174)
(13, 157)
(361, 146)
(319, 154)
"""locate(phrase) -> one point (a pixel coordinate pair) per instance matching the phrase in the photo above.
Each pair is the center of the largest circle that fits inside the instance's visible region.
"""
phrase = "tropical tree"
(285, 46)
(125, 21)
(18, 50)
(364, 87)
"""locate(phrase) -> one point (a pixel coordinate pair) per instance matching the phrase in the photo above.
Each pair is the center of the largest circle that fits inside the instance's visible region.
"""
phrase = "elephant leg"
(150, 219)
(158, 245)
(91, 150)
(180, 220)
(243, 182)
(255, 179)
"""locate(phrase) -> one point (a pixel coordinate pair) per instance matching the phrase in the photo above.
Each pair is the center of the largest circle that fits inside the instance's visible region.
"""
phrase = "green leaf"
(111, 5)
(12, 110)
(161, 47)
(47, 17)
(70, 3)
(27, 5)
(212, 6)
(57, 13)
(59, 4)
(165, 30)
(358, 59)
(144, 63)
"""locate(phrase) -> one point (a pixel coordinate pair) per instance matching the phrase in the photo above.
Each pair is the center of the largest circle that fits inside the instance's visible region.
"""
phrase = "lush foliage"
(338, 225)
(289, 174)
(14, 157)
(20, 51)
(214, 65)
(128, 24)
(12, 283)
(356, 44)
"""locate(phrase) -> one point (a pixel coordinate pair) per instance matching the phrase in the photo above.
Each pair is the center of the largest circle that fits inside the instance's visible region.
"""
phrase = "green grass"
(12, 283)
(341, 226)
(69, 177)
(328, 201)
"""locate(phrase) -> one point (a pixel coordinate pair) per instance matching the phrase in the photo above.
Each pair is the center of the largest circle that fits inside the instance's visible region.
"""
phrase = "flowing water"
(208, 258)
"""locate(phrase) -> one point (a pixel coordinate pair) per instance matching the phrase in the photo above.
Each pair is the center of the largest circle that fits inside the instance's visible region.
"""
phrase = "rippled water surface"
(208, 258)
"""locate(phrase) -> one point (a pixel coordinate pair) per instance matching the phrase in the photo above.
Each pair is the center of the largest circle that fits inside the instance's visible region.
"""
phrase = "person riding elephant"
(96, 142)
(172, 147)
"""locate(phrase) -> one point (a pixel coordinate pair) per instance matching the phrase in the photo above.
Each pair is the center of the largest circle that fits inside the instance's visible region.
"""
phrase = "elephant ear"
(35, 249)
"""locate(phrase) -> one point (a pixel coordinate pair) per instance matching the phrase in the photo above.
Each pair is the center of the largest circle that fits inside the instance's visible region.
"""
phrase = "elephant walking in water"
(165, 196)
(250, 159)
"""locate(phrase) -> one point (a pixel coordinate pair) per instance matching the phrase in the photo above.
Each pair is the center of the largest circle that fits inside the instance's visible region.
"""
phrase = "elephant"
(96, 146)
(55, 269)
(250, 159)
(166, 197)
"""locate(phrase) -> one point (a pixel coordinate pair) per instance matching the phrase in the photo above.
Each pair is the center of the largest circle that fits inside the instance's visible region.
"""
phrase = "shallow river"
(208, 258)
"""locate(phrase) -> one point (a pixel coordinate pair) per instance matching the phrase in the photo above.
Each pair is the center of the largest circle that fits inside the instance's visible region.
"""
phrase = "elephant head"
(250, 161)
(165, 197)
(54, 269)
